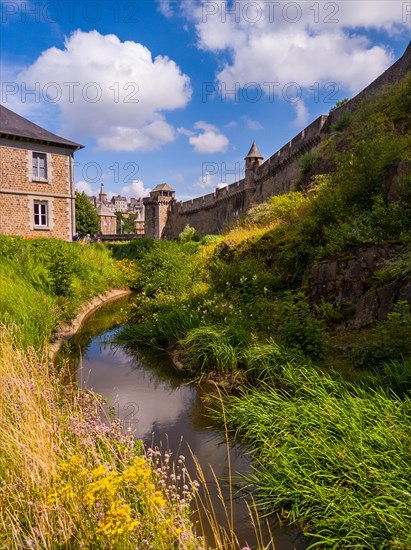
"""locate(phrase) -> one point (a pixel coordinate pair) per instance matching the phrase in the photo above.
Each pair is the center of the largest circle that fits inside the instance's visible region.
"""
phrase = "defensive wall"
(278, 174)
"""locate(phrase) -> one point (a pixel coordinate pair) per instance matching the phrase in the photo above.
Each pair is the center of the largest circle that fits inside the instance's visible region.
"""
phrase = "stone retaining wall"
(68, 330)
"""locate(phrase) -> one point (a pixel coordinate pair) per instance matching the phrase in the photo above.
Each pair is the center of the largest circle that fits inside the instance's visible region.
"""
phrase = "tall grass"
(44, 282)
(330, 455)
(70, 478)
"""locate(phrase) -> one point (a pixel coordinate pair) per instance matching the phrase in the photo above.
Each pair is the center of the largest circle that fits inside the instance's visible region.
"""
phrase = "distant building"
(120, 204)
(107, 209)
(108, 220)
(37, 196)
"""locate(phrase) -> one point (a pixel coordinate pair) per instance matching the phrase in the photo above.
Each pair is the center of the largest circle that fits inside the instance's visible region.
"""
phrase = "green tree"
(87, 218)
(128, 223)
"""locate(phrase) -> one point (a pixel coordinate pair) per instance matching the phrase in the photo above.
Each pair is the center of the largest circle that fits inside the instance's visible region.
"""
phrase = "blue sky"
(176, 91)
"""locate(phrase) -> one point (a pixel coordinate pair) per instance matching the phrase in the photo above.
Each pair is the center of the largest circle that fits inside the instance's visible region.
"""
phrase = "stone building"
(108, 220)
(156, 208)
(278, 174)
(118, 204)
(37, 196)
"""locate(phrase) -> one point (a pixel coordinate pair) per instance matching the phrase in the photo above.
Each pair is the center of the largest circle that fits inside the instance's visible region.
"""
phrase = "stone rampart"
(278, 174)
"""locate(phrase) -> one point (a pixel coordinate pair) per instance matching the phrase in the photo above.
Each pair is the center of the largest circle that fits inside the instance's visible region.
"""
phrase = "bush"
(188, 234)
(299, 328)
(386, 342)
(168, 268)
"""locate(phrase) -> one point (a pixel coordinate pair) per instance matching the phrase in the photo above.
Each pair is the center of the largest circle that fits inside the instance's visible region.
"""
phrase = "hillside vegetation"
(70, 476)
(326, 415)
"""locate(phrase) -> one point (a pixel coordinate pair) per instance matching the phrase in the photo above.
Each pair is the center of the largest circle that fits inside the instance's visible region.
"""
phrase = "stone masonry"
(279, 174)
(21, 190)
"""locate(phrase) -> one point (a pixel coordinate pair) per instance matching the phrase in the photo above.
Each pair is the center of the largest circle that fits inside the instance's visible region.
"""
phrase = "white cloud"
(164, 7)
(251, 123)
(209, 140)
(136, 189)
(111, 90)
(184, 132)
(302, 115)
(85, 187)
(267, 42)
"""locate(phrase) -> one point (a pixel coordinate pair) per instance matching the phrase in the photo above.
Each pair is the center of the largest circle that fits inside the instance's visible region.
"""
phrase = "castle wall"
(277, 175)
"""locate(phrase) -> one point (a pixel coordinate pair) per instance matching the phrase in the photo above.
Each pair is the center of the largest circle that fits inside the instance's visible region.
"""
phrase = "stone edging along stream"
(68, 330)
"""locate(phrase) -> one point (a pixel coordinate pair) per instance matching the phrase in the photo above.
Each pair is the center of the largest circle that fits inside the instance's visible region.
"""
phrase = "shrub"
(306, 162)
(385, 342)
(188, 234)
(342, 122)
(299, 328)
(167, 267)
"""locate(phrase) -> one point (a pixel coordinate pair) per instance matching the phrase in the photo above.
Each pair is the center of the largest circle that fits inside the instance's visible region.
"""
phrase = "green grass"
(329, 455)
(45, 281)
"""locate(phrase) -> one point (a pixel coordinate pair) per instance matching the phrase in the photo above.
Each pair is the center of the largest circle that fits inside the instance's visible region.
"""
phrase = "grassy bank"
(45, 281)
(70, 477)
(325, 414)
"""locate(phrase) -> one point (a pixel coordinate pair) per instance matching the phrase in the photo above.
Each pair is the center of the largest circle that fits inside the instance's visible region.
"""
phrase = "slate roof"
(17, 127)
(254, 152)
(104, 211)
(163, 187)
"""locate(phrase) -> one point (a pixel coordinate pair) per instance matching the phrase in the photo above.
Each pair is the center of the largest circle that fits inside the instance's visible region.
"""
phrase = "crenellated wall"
(279, 174)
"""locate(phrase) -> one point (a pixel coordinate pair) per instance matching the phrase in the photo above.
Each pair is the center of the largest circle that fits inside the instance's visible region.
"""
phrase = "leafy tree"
(128, 223)
(87, 218)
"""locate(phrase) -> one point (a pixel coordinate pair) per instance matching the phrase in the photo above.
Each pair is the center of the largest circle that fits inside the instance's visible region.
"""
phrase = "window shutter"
(42, 166)
(35, 165)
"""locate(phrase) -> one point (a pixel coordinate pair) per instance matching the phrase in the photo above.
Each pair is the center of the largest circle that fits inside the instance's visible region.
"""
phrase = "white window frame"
(35, 166)
(42, 208)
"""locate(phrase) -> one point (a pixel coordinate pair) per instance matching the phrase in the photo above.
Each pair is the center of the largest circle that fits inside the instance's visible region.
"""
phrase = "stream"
(156, 403)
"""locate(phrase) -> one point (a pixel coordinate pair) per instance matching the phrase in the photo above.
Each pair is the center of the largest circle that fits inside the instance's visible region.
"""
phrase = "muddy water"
(154, 401)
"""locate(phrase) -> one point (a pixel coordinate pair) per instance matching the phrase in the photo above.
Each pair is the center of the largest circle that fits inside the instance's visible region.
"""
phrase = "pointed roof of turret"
(163, 187)
(254, 152)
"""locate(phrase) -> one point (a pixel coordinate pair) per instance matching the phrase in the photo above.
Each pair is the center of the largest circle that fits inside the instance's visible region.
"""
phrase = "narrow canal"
(155, 402)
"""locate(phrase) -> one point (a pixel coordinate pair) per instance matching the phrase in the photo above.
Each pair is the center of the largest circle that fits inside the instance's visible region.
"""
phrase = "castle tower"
(253, 160)
(156, 210)
(102, 197)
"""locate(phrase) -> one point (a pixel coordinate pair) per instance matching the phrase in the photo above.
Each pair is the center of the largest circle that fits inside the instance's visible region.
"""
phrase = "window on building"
(41, 214)
(39, 166)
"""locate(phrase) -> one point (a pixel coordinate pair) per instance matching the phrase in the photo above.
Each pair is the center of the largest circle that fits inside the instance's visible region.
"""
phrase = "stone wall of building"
(19, 190)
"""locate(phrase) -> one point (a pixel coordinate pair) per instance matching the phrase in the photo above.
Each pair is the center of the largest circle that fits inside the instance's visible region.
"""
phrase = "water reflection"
(151, 399)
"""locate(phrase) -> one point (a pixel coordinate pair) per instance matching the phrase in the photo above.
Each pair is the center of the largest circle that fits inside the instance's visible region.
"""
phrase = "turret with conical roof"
(253, 160)
(156, 210)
